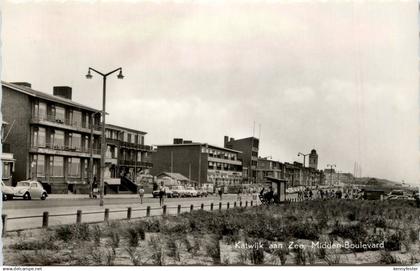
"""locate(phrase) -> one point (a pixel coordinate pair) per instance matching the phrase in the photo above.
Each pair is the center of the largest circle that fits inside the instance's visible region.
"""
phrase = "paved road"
(117, 206)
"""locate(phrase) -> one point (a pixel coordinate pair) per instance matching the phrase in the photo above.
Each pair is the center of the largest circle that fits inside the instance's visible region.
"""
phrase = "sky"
(338, 77)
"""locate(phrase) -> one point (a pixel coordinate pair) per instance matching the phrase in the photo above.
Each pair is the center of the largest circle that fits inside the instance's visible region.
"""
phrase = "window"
(76, 141)
(129, 138)
(77, 118)
(74, 167)
(85, 144)
(57, 166)
(125, 137)
(60, 114)
(34, 185)
(40, 165)
(57, 138)
(39, 137)
(108, 152)
(138, 156)
(136, 139)
(108, 133)
(85, 168)
(6, 170)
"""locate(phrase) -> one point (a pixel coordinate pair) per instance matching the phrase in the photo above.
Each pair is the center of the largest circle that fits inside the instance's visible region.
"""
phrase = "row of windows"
(61, 114)
(112, 152)
(55, 166)
(125, 136)
(219, 154)
(54, 138)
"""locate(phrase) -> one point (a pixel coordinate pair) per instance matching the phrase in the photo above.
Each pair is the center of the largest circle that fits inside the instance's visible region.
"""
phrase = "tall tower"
(313, 159)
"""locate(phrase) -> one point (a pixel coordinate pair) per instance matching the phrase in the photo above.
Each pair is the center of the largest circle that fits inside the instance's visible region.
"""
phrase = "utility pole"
(304, 157)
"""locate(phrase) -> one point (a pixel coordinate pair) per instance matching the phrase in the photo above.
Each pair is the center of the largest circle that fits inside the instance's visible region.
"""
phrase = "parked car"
(30, 190)
(168, 192)
(191, 192)
(178, 191)
(7, 191)
(202, 192)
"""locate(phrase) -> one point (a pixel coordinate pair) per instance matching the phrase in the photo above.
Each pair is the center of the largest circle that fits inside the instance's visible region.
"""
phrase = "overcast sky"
(338, 77)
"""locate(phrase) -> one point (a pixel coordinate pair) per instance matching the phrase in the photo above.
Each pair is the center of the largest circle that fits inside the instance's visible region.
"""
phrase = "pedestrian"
(94, 188)
(310, 194)
(239, 194)
(161, 193)
(220, 192)
(141, 194)
(321, 193)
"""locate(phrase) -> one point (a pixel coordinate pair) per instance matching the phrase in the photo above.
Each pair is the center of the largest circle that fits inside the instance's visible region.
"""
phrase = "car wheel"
(44, 196)
(27, 196)
(9, 197)
(4, 197)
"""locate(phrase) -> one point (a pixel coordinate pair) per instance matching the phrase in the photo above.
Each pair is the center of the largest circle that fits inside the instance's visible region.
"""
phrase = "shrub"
(134, 256)
(156, 249)
(393, 242)
(40, 258)
(321, 253)
(332, 259)
(213, 250)
(387, 258)
(311, 257)
(110, 257)
(378, 221)
(413, 235)
(281, 253)
(96, 234)
(304, 231)
(353, 232)
(174, 247)
(300, 256)
(73, 232)
(35, 245)
(115, 238)
(133, 237)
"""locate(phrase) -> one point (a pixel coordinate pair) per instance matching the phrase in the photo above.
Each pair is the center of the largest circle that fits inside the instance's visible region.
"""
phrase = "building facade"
(51, 137)
(127, 158)
(313, 159)
(248, 148)
(201, 162)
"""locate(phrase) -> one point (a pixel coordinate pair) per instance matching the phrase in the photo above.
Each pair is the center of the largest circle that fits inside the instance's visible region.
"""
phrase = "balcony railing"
(66, 148)
(134, 163)
(135, 146)
(66, 121)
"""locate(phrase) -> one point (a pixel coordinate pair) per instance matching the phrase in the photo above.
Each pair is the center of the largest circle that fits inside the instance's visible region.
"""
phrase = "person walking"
(162, 193)
(239, 195)
(141, 194)
(220, 192)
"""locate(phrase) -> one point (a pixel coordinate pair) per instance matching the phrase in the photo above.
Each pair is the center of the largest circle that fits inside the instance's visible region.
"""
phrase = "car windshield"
(23, 184)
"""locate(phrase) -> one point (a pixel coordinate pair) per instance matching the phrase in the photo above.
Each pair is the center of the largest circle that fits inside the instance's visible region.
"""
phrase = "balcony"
(134, 163)
(136, 146)
(67, 124)
(226, 161)
(65, 150)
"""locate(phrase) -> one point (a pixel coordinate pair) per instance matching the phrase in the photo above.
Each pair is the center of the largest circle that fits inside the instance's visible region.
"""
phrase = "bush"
(213, 250)
(387, 258)
(300, 256)
(73, 232)
(393, 242)
(353, 232)
(156, 249)
(34, 245)
(281, 253)
(133, 237)
(307, 231)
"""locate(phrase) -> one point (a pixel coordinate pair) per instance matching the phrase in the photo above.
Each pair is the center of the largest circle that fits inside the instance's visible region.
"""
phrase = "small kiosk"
(278, 187)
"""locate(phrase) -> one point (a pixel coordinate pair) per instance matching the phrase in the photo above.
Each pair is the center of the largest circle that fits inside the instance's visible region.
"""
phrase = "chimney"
(232, 139)
(23, 84)
(62, 91)
(178, 141)
(226, 141)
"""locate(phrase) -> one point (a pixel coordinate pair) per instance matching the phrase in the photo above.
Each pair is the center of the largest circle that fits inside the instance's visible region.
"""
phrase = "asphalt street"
(92, 212)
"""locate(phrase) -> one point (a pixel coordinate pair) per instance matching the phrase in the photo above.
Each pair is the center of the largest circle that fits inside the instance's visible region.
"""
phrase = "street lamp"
(304, 157)
(331, 172)
(103, 143)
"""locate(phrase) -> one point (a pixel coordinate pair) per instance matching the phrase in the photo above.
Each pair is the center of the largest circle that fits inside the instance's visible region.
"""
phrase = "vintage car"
(191, 192)
(178, 191)
(168, 192)
(7, 191)
(30, 190)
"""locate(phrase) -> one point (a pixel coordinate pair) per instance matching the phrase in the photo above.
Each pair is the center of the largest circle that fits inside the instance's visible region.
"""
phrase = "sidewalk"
(86, 196)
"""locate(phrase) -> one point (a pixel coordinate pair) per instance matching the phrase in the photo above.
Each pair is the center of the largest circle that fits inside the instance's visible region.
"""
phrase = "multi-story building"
(200, 162)
(51, 136)
(267, 167)
(127, 158)
(7, 158)
(248, 148)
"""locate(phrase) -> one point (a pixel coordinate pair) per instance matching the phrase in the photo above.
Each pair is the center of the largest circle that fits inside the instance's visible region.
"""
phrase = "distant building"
(248, 148)
(200, 162)
(313, 159)
(50, 138)
(127, 158)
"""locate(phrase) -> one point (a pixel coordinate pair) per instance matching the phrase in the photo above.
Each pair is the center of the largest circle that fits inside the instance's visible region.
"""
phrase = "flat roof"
(116, 127)
(46, 96)
(199, 144)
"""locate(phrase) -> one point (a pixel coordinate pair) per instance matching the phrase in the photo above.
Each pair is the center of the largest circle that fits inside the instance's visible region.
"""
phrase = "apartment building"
(202, 163)
(248, 148)
(54, 139)
(127, 159)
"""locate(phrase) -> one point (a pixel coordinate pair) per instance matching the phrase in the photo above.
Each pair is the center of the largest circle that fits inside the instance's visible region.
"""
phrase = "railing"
(135, 146)
(65, 121)
(134, 163)
(163, 211)
(51, 146)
